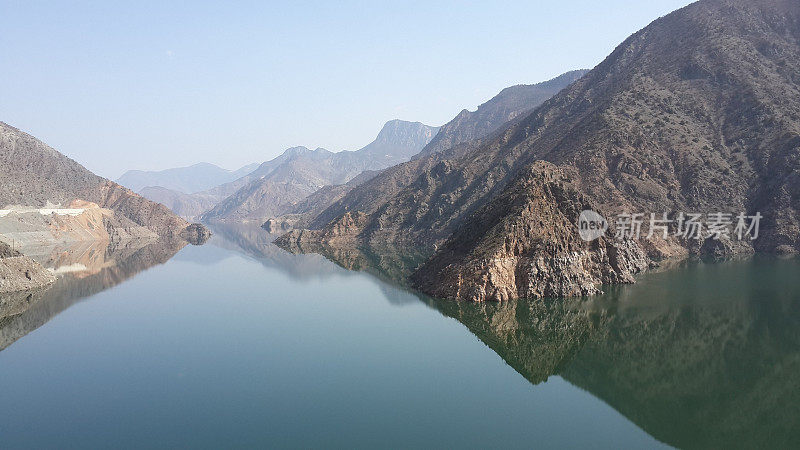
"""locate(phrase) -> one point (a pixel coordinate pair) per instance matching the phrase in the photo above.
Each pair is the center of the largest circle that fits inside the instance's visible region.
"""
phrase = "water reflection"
(706, 355)
(84, 269)
(698, 355)
(256, 243)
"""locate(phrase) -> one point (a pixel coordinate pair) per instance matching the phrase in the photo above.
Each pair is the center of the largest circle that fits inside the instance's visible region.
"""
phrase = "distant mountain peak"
(402, 133)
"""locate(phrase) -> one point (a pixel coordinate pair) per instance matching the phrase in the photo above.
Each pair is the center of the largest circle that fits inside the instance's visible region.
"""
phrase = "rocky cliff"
(456, 138)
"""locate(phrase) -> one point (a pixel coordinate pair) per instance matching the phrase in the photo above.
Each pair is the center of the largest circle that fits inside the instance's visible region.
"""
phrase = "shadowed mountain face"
(33, 174)
(187, 180)
(698, 112)
(302, 172)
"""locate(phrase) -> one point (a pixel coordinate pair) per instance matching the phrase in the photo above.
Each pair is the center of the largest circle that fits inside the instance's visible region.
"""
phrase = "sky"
(154, 85)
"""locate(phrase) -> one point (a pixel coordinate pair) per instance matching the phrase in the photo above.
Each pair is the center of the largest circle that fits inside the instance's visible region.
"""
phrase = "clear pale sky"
(153, 85)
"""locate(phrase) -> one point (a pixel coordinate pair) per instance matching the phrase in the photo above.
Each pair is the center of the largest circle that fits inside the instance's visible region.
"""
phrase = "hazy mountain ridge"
(195, 178)
(698, 112)
(188, 206)
(301, 214)
(301, 172)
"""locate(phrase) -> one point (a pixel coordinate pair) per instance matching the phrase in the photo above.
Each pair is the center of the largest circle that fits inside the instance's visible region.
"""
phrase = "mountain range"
(697, 112)
(463, 131)
(188, 180)
(304, 171)
(280, 189)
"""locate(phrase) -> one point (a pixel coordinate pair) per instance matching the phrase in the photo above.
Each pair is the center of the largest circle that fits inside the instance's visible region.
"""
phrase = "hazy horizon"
(154, 86)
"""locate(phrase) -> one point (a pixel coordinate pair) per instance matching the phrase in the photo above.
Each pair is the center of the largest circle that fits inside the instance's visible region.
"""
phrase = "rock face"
(196, 234)
(34, 174)
(523, 245)
(301, 172)
(81, 221)
(698, 112)
(20, 273)
(186, 180)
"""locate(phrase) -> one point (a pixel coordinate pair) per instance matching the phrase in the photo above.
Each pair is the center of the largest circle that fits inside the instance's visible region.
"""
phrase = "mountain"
(191, 206)
(195, 178)
(187, 206)
(457, 137)
(35, 175)
(511, 103)
(300, 215)
(300, 172)
(224, 190)
(698, 112)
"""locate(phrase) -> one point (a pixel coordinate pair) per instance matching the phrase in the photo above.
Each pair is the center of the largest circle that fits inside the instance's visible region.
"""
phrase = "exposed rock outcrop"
(523, 245)
(19, 273)
(196, 234)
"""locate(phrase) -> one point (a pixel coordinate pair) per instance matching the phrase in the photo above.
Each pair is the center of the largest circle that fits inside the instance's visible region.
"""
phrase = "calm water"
(237, 343)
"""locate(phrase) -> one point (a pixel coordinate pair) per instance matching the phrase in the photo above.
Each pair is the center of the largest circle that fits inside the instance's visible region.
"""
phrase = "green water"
(239, 344)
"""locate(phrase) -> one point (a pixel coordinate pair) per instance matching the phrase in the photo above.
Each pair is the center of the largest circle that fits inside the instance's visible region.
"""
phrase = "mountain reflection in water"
(700, 355)
(83, 269)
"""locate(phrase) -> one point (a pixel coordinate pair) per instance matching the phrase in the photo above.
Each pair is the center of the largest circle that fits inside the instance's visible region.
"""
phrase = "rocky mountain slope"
(34, 174)
(459, 136)
(301, 214)
(511, 103)
(698, 112)
(302, 172)
(187, 180)
(225, 190)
